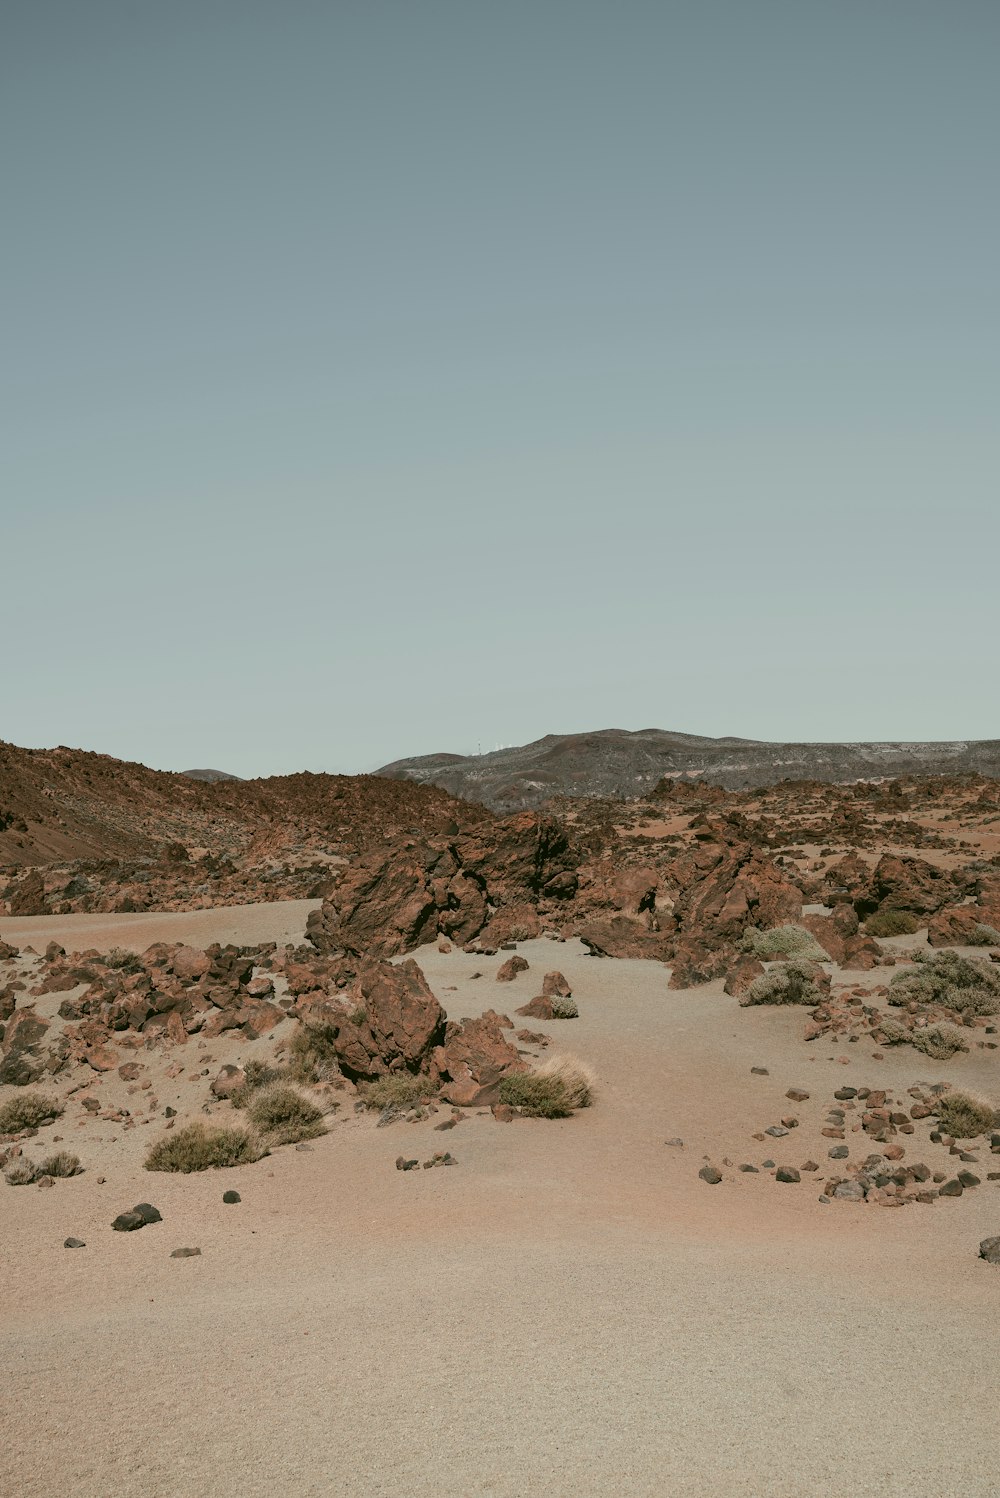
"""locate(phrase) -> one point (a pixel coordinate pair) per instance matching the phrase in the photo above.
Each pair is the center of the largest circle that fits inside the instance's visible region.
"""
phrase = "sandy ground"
(569, 1310)
(246, 925)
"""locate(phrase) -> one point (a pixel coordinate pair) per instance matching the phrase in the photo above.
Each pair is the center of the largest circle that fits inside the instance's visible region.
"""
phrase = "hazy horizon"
(388, 380)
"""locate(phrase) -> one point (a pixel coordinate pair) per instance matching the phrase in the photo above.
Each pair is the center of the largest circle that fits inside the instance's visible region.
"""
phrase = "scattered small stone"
(767, 1165)
(839, 1152)
(231, 1198)
(449, 1123)
(787, 1173)
(74, 1243)
(842, 1094)
(676, 1143)
(797, 1095)
(710, 1174)
(45, 1181)
(849, 1191)
(304, 1149)
(989, 1250)
(440, 1159)
(750, 1170)
(404, 1164)
(759, 1071)
(967, 1178)
(186, 1253)
(951, 1188)
(776, 1132)
(147, 1213)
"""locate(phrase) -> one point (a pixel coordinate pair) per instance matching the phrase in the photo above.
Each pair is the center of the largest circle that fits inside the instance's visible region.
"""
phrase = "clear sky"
(386, 376)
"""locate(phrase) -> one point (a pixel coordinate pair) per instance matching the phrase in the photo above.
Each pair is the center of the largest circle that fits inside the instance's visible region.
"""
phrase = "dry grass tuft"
(20, 1172)
(892, 923)
(61, 1164)
(198, 1147)
(783, 941)
(397, 1090)
(29, 1111)
(556, 1090)
(964, 1115)
(284, 1115)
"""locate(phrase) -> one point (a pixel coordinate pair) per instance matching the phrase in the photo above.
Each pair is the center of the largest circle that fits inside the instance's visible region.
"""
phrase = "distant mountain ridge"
(618, 762)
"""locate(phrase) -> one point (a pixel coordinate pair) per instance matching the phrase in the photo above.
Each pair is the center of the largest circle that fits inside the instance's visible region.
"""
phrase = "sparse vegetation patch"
(198, 1147)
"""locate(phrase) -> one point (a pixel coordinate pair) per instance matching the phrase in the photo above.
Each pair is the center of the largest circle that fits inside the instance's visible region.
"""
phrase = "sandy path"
(246, 925)
(567, 1311)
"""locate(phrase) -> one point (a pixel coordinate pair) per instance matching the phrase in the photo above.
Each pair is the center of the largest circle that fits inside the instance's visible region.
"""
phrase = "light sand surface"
(245, 925)
(567, 1311)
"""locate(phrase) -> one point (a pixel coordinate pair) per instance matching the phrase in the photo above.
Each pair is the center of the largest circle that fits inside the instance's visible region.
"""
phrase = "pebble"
(186, 1253)
(839, 1152)
(759, 1071)
(231, 1198)
(710, 1174)
(989, 1250)
(787, 1173)
(676, 1143)
(74, 1243)
(776, 1132)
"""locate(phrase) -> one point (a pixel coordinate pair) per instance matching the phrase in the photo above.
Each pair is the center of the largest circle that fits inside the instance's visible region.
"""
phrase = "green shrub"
(954, 982)
(28, 1112)
(62, 1163)
(984, 936)
(564, 1008)
(964, 1116)
(783, 941)
(198, 1147)
(19, 1172)
(397, 1090)
(791, 983)
(284, 1115)
(892, 923)
(556, 1090)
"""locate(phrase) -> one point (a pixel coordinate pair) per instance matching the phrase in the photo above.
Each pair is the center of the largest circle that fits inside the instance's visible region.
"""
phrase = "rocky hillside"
(64, 804)
(614, 762)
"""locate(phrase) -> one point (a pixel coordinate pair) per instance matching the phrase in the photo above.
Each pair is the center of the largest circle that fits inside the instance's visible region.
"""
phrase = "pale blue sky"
(379, 378)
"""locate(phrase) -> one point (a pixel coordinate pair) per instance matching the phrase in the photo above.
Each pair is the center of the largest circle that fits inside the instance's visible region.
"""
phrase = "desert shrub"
(791, 983)
(964, 1116)
(397, 1090)
(564, 1008)
(556, 1090)
(19, 1172)
(312, 1054)
(198, 1147)
(984, 936)
(256, 1074)
(952, 981)
(783, 941)
(892, 923)
(28, 1112)
(938, 1041)
(893, 1033)
(123, 959)
(62, 1163)
(285, 1115)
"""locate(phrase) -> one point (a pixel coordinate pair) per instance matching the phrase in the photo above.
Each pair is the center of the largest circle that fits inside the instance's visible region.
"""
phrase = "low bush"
(564, 1008)
(964, 1115)
(198, 1147)
(954, 982)
(312, 1054)
(556, 1090)
(791, 983)
(19, 1172)
(984, 936)
(397, 1090)
(938, 1041)
(28, 1112)
(256, 1074)
(892, 923)
(284, 1115)
(124, 960)
(783, 941)
(62, 1163)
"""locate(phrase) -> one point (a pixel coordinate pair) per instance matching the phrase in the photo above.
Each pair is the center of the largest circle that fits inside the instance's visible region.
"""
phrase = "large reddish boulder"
(955, 925)
(473, 1060)
(404, 1017)
(623, 936)
(22, 1060)
(910, 884)
(744, 971)
(724, 885)
(395, 899)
